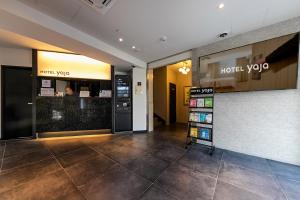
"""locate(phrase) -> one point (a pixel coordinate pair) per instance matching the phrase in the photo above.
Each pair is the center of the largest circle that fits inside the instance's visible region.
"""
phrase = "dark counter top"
(70, 113)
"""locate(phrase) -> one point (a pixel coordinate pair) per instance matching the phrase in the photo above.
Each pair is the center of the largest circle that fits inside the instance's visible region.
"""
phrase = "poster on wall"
(186, 95)
(266, 65)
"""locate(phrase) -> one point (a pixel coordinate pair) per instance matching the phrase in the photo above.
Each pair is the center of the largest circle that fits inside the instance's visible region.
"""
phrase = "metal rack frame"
(198, 93)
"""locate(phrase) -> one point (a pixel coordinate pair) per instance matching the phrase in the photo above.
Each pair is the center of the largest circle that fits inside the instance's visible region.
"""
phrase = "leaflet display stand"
(200, 126)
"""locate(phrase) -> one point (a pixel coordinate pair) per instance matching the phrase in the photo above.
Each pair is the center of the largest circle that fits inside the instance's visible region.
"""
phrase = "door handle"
(29, 103)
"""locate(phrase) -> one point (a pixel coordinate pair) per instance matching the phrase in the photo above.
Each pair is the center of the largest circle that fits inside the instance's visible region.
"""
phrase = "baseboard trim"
(141, 131)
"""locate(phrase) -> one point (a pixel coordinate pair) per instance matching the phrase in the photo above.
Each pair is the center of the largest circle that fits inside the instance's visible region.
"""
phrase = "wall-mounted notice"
(46, 83)
(63, 65)
(139, 89)
(105, 93)
(47, 92)
(84, 94)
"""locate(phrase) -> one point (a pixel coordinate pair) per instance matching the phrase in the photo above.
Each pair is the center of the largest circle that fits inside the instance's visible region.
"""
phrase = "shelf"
(201, 109)
(201, 95)
(197, 138)
(201, 125)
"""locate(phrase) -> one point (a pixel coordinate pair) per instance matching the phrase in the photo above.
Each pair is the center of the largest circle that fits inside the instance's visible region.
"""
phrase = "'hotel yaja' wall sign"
(249, 68)
(266, 65)
(62, 65)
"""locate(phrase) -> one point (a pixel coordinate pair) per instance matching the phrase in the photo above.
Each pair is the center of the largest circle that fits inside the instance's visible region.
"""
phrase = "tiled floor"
(142, 166)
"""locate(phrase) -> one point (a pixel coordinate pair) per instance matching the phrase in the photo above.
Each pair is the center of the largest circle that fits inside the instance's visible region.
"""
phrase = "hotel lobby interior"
(149, 100)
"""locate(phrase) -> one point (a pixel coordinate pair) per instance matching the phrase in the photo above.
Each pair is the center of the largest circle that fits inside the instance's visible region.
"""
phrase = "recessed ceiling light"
(221, 5)
(121, 40)
(133, 47)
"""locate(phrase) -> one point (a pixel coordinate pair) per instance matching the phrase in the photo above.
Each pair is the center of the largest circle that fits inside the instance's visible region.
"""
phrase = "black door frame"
(3, 68)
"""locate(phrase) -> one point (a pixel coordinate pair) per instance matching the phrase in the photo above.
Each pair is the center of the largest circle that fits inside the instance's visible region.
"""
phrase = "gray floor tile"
(61, 146)
(285, 170)
(183, 183)
(203, 162)
(107, 148)
(117, 183)
(148, 166)
(30, 171)
(156, 194)
(75, 195)
(22, 147)
(247, 161)
(84, 171)
(98, 140)
(136, 141)
(52, 186)
(225, 191)
(290, 187)
(21, 160)
(168, 152)
(78, 155)
(123, 154)
(16, 177)
(255, 181)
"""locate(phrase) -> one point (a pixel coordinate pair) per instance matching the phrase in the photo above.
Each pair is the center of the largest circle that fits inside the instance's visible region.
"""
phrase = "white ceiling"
(13, 40)
(187, 24)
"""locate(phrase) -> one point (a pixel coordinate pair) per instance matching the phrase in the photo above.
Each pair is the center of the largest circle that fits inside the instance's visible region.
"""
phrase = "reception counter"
(71, 113)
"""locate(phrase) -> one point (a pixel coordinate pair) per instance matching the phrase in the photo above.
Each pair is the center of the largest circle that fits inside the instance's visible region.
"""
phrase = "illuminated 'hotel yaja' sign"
(52, 64)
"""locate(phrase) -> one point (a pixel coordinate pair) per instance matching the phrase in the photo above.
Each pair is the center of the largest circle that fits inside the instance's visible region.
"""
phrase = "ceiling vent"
(101, 6)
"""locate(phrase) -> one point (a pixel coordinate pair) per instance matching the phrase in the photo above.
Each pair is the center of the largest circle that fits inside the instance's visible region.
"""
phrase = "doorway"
(172, 104)
(16, 97)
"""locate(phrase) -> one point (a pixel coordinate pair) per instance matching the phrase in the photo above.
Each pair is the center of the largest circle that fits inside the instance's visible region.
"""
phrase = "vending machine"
(123, 103)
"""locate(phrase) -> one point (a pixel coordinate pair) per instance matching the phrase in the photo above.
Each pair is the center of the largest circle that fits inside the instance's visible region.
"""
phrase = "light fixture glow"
(71, 66)
(221, 5)
(133, 47)
(185, 69)
(121, 40)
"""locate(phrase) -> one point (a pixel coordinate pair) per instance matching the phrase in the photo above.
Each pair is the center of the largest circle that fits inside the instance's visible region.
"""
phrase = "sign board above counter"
(64, 65)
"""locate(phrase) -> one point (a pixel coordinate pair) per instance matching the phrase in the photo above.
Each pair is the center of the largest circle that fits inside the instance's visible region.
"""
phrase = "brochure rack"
(200, 125)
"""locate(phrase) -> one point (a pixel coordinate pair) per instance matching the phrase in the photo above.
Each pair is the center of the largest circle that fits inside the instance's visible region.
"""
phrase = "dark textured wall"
(72, 114)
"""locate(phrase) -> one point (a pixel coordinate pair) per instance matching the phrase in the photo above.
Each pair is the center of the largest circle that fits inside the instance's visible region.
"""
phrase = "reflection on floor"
(142, 166)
